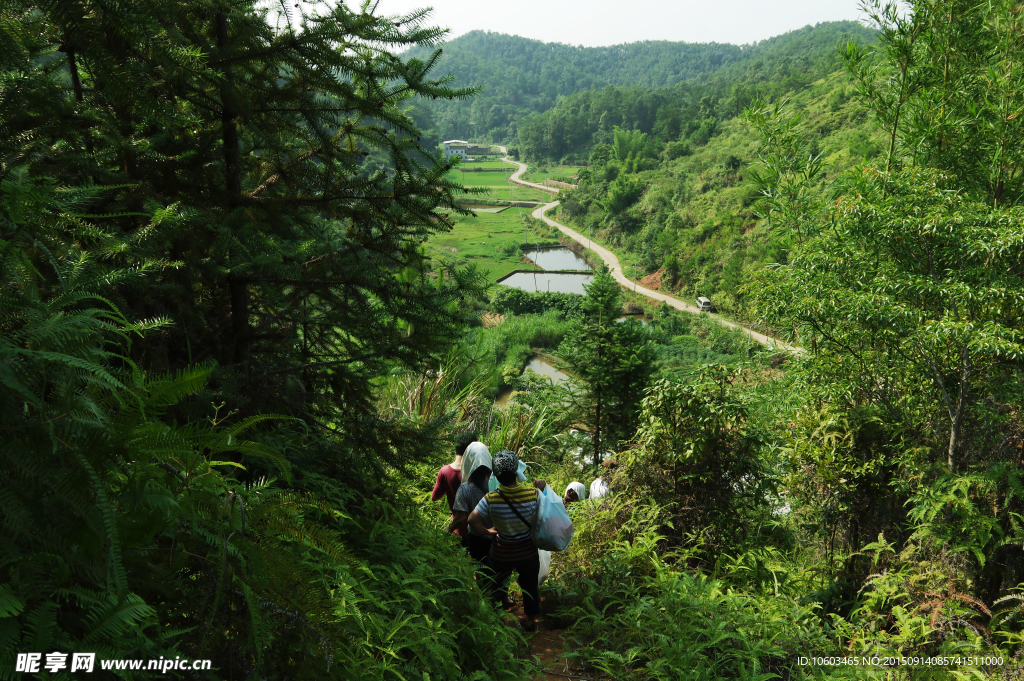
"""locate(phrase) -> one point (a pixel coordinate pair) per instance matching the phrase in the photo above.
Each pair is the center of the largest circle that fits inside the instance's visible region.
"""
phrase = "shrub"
(697, 455)
(513, 301)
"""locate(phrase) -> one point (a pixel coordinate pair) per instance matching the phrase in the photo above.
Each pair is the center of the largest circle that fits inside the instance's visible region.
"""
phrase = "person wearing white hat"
(574, 492)
(476, 472)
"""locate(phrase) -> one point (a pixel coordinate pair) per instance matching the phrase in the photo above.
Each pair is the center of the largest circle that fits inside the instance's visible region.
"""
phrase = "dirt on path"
(548, 646)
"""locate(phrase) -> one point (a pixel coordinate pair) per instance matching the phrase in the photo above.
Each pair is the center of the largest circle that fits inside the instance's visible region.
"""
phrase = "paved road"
(521, 168)
(612, 260)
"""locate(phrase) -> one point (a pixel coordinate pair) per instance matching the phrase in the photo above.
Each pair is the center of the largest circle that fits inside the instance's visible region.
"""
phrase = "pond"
(638, 317)
(535, 282)
(547, 369)
(553, 259)
(543, 368)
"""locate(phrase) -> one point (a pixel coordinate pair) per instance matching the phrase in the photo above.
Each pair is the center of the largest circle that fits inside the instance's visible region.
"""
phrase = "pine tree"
(187, 216)
(234, 147)
(613, 362)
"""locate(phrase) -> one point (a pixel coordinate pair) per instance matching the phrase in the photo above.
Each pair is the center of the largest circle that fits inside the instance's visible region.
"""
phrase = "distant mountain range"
(519, 76)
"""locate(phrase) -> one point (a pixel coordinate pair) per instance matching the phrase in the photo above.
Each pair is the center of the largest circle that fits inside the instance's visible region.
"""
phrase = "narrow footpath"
(612, 261)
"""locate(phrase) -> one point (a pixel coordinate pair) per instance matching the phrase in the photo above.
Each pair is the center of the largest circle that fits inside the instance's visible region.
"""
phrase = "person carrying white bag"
(552, 526)
(508, 509)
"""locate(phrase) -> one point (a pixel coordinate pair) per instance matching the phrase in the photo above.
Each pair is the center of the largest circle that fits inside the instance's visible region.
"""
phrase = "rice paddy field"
(559, 173)
(490, 163)
(489, 240)
(480, 179)
(498, 187)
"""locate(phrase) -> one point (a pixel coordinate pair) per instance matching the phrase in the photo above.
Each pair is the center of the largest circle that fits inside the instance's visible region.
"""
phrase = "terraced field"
(490, 241)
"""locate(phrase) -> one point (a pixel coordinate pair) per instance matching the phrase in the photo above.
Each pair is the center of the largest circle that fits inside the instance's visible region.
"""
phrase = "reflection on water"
(502, 399)
(548, 281)
(638, 317)
(557, 259)
(546, 369)
(540, 366)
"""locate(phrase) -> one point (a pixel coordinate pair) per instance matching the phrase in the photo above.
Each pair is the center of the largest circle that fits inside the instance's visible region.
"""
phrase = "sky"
(611, 22)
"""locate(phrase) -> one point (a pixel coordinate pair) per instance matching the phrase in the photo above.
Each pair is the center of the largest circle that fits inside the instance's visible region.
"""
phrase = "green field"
(560, 173)
(465, 165)
(498, 187)
(490, 241)
(517, 193)
(479, 179)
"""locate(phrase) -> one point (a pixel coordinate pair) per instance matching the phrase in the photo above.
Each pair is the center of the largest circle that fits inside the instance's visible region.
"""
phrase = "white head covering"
(476, 455)
(520, 473)
(581, 491)
(598, 489)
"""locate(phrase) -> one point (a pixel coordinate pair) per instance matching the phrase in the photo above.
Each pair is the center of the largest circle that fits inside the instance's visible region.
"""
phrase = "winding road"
(612, 261)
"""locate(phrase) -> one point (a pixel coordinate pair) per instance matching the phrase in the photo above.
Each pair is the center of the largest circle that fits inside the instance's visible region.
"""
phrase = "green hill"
(673, 193)
(519, 76)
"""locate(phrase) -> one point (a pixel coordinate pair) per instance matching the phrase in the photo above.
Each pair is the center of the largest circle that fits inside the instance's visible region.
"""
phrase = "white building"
(456, 148)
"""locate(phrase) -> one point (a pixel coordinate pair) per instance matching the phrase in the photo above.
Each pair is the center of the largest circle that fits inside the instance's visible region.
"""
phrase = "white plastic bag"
(545, 565)
(552, 527)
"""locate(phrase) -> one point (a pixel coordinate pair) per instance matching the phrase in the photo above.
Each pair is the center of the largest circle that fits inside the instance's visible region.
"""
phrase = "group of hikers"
(494, 518)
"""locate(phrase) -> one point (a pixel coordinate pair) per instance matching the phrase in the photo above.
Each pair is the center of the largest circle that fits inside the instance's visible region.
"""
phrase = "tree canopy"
(202, 280)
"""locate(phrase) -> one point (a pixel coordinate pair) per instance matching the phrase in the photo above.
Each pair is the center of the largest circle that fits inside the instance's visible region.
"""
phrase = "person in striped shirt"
(511, 509)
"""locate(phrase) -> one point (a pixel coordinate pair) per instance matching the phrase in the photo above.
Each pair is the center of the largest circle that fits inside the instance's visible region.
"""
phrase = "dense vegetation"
(877, 479)
(233, 355)
(685, 208)
(519, 77)
(203, 287)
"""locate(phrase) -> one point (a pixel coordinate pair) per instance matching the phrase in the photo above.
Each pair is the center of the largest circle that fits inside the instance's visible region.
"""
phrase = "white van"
(704, 305)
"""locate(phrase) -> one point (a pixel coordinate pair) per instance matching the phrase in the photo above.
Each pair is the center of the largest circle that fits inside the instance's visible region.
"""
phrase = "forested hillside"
(685, 208)
(244, 342)
(518, 76)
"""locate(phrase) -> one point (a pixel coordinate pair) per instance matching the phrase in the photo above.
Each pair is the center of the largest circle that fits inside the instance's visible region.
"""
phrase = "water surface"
(540, 366)
(557, 259)
(547, 369)
(548, 281)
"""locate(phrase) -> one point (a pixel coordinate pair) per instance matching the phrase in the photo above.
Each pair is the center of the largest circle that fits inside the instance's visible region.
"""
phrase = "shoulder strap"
(514, 510)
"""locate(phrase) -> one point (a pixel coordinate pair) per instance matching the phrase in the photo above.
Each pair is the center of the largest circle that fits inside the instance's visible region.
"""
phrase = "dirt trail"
(516, 177)
(612, 261)
(548, 645)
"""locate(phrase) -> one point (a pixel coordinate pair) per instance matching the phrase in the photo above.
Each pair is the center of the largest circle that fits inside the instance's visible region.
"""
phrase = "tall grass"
(450, 394)
(411, 607)
(530, 431)
(513, 342)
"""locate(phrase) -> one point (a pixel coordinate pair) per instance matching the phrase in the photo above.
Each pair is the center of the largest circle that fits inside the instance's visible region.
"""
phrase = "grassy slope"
(705, 211)
(562, 173)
